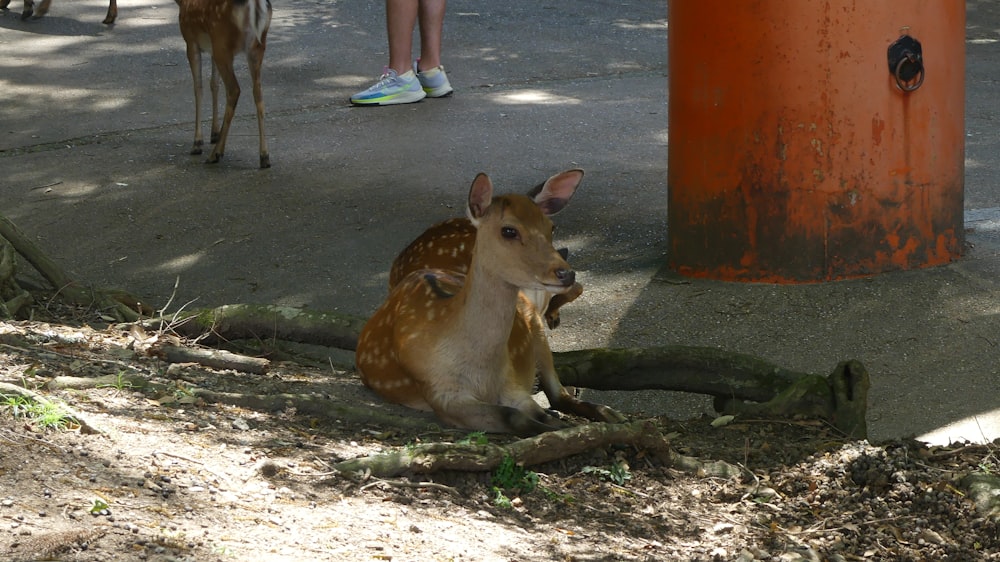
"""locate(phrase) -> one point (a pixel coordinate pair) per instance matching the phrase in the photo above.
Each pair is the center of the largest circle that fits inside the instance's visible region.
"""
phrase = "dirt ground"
(174, 478)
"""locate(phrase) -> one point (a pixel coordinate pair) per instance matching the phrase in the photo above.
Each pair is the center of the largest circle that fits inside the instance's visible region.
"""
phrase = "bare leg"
(431, 27)
(400, 18)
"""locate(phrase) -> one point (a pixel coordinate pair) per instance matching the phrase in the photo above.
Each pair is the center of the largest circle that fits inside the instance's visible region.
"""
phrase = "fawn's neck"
(488, 307)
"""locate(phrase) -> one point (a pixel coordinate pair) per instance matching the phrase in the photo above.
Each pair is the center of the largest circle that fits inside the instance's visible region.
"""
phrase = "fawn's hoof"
(265, 161)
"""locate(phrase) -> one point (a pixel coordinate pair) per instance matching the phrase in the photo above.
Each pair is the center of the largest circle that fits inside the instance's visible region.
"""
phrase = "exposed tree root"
(741, 384)
(549, 446)
(117, 304)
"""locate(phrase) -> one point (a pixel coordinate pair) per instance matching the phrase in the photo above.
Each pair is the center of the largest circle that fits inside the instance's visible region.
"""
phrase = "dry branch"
(265, 323)
(214, 358)
(547, 447)
(64, 382)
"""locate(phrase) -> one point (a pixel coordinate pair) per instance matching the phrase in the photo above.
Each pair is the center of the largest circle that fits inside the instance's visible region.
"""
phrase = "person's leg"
(429, 70)
(399, 83)
(400, 18)
(431, 16)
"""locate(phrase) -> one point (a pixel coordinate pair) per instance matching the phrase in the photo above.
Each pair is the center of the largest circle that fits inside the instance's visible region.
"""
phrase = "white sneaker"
(391, 88)
(434, 81)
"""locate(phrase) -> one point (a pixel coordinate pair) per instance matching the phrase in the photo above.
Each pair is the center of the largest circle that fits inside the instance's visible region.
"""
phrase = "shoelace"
(388, 75)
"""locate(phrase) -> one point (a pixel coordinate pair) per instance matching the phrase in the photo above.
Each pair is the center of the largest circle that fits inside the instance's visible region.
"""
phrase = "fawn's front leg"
(525, 419)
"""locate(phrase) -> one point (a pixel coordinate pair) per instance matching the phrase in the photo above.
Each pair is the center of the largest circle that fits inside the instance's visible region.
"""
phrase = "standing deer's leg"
(112, 13)
(224, 65)
(28, 9)
(43, 9)
(194, 60)
(4, 4)
(213, 85)
(255, 60)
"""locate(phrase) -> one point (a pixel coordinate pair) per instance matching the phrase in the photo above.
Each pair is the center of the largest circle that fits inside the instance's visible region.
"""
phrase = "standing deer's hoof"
(196, 148)
(214, 157)
(265, 161)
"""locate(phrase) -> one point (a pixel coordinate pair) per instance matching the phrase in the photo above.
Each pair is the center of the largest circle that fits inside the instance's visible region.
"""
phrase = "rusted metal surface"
(795, 157)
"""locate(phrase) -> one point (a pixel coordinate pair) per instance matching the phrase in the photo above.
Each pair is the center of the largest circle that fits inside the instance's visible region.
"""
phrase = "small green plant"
(555, 496)
(182, 392)
(44, 415)
(501, 500)
(617, 474)
(511, 477)
(990, 464)
(121, 383)
(100, 507)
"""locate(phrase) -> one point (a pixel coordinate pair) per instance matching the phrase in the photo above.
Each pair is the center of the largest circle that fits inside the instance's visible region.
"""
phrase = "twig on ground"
(408, 484)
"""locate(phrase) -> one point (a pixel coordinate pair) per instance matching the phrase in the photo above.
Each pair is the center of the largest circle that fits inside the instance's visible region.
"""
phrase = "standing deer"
(225, 28)
(468, 346)
(43, 8)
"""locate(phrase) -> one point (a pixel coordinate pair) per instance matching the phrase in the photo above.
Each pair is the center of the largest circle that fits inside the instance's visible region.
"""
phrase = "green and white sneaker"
(391, 88)
(434, 81)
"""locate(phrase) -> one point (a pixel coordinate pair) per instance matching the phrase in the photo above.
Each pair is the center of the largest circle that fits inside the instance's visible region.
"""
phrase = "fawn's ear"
(556, 192)
(480, 195)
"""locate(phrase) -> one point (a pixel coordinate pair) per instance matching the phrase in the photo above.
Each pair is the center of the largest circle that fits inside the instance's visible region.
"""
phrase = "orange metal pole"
(794, 156)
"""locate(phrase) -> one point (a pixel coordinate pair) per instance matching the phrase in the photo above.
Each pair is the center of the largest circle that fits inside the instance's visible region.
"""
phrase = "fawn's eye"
(510, 233)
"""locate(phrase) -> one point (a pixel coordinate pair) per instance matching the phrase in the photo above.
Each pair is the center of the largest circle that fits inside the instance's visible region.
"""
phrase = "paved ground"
(96, 124)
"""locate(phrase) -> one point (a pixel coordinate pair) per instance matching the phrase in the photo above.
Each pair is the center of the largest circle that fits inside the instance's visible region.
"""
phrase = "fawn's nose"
(566, 276)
